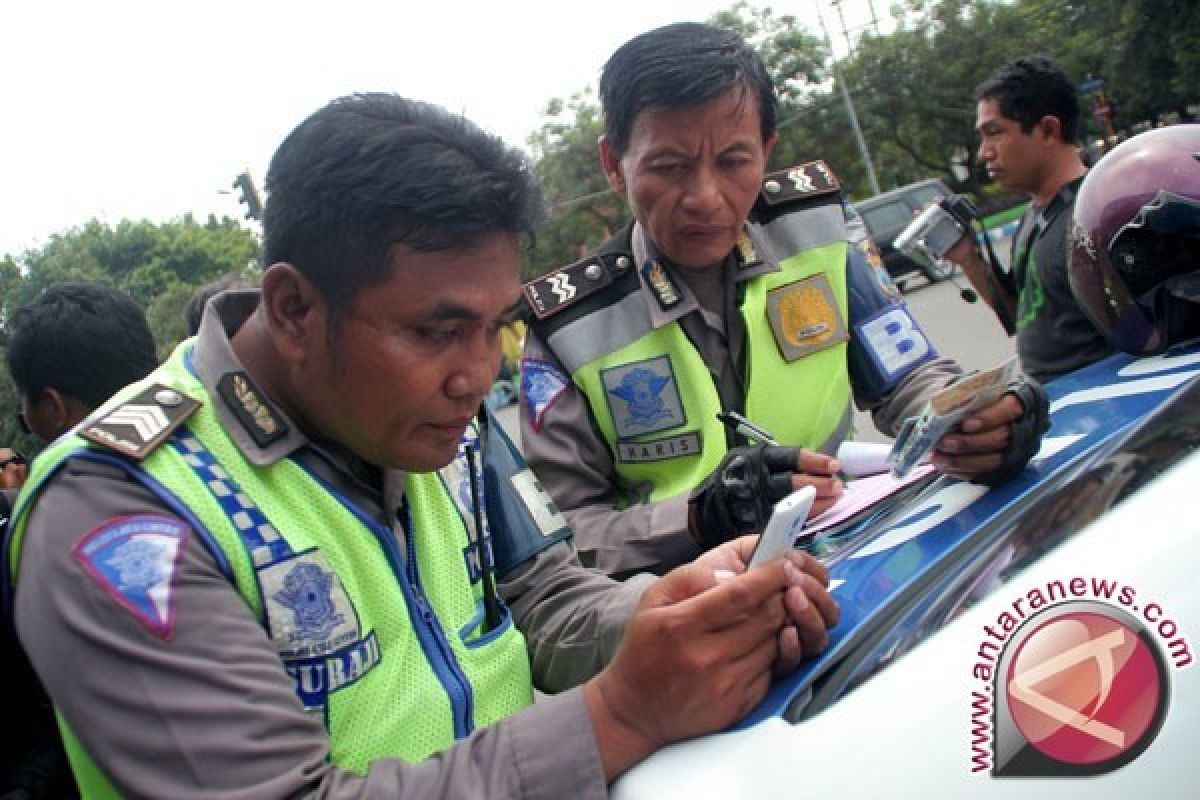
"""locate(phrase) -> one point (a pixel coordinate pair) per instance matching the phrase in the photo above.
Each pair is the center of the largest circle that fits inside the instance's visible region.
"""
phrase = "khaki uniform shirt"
(211, 712)
(575, 465)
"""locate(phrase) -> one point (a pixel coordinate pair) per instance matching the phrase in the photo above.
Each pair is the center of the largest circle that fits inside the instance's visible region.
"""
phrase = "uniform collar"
(214, 362)
(751, 258)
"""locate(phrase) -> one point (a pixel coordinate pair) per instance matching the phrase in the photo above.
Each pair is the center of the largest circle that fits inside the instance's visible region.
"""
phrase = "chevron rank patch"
(135, 560)
(566, 286)
(541, 384)
(807, 180)
(142, 423)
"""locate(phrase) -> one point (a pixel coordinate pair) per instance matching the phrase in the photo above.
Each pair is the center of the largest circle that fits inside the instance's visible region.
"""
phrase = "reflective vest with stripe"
(406, 671)
(803, 402)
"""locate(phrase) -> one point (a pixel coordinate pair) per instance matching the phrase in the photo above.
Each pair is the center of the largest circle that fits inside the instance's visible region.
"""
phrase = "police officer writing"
(730, 291)
(268, 554)
(1027, 116)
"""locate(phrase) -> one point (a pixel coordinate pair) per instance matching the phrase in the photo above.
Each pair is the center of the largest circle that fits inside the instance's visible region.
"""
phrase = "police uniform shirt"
(573, 460)
(1054, 336)
(211, 712)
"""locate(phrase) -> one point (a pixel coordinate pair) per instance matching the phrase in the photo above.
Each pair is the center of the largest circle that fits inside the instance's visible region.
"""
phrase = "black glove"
(1025, 435)
(738, 496)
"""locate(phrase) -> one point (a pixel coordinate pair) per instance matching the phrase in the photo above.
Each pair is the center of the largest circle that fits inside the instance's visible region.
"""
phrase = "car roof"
(1116, 425)
(882, 199)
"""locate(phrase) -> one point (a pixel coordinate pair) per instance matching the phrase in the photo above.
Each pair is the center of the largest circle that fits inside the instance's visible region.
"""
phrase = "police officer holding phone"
(732, 290)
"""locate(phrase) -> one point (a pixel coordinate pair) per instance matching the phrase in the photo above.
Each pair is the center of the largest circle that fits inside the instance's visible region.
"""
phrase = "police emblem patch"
(643, 397)
(308, 592)
(308, 612)
(135, 560)
(804, 317)
(541, 384)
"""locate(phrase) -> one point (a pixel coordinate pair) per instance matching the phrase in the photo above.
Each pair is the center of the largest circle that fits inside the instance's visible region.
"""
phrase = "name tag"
(687, 444)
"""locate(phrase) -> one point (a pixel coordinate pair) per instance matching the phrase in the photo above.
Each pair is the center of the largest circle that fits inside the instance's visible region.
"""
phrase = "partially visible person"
(70, 349)
(1028, 121)
(13, 468)
(730, 291)
(194, 310)
(1135, 241)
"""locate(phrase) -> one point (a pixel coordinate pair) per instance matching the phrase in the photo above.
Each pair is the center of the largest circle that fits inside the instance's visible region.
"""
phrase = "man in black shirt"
(1027, 117)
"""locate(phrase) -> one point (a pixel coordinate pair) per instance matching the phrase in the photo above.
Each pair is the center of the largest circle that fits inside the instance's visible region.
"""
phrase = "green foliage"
(913, 91)
(158, 265)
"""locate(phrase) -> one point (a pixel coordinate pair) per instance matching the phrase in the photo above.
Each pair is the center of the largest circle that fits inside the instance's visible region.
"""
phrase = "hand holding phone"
(784, 527)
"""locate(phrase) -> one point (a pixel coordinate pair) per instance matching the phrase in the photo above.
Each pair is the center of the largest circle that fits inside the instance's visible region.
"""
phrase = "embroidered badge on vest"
(140, 424)
(643, 397)
(251, 409)
(807, 180)
(541, 384)
(687, 444)
(308, 612)
(566, 286)
(135, 560)
(661, 284)
(804, 317)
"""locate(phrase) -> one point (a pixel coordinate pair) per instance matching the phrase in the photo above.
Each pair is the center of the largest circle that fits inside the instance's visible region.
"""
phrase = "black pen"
(736, 422)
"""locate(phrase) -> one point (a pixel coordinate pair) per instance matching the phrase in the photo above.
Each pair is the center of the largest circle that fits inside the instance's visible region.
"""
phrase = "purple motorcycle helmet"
(1134, 247)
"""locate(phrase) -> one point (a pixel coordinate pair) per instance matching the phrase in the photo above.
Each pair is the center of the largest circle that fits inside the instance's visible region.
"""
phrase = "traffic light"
(249, 195)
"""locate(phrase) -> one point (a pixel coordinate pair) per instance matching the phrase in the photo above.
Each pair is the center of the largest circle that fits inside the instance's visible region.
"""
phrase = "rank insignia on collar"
(661, 283)
(566, 286)
(747, 253)
(251, 408)
(140, 424)
(804, 317)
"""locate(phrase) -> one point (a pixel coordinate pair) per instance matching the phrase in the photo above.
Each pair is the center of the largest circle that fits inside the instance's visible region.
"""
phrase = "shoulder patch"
(137, 426)
(566, 286)
(135, 560)
(807, 180)
(541, 384)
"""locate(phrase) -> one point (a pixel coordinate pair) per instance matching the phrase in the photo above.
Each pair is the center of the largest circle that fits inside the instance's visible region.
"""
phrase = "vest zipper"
(424, 620)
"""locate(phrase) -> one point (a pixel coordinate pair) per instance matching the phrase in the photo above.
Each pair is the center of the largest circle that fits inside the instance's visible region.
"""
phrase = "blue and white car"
(1034, 640)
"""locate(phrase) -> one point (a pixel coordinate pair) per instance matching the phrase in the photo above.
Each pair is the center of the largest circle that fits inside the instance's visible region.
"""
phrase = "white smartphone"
(787, 520)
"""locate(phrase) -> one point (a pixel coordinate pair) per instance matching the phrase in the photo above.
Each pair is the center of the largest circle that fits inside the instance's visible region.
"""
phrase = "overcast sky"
(149, 109)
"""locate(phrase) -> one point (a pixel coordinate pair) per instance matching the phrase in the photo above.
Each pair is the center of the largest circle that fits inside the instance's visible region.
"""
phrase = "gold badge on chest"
(804, 317)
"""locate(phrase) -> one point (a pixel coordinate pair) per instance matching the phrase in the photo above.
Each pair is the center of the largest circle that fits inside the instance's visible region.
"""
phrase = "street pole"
(858, 136)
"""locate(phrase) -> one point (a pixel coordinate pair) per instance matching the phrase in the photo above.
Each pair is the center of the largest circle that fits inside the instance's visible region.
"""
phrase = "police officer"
(692, 310)
(267, 569)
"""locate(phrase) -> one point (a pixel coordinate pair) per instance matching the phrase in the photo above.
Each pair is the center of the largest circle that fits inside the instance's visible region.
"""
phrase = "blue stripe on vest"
(263, 542)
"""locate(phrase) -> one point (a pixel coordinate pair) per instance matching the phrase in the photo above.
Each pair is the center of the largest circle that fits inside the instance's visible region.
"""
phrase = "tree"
(158, 265)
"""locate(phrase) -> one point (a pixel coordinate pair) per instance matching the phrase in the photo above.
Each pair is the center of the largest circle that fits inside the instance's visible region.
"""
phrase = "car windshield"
(887, 217)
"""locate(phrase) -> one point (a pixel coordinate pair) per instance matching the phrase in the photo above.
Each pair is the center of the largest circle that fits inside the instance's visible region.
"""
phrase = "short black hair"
(681, 65)
(369, 171)
(193, 312)
(1032, 87)
(86, 340)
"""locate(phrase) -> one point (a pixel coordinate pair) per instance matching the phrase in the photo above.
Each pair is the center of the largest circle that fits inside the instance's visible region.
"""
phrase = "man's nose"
(702, 192)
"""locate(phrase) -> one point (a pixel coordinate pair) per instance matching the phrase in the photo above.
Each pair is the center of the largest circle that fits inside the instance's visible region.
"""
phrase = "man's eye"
(438, 335)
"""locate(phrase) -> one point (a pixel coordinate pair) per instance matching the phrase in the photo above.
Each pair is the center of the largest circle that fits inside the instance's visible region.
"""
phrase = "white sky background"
(129, 109)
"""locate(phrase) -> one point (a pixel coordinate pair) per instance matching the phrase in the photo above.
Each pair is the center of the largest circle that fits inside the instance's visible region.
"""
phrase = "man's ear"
(610, 162)
(296, 313)
(1050, 127)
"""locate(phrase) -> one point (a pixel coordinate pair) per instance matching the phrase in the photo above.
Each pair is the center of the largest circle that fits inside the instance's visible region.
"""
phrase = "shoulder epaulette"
(813, 179)
(566, 286)
(141, 423)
